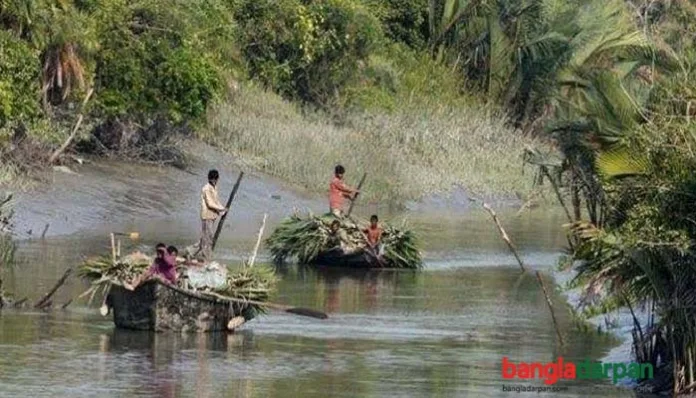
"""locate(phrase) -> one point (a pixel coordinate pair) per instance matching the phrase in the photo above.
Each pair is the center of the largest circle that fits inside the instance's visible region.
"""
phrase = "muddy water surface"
(440, 332)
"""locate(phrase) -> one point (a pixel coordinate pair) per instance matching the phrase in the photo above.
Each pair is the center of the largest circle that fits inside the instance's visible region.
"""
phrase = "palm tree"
(61, 33)
(66, 40)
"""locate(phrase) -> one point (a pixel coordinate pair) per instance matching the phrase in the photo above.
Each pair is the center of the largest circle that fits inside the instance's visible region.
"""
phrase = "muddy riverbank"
(136, 196)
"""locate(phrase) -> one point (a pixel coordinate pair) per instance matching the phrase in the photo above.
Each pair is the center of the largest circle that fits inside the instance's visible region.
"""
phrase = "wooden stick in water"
(224, 216)
(352, 202)
(550, 304)
(503, 234)
(292, 310)
(43, 234)
(118, 248)
(258, 241)
(513, 249)
(21, 302)
(41, 303)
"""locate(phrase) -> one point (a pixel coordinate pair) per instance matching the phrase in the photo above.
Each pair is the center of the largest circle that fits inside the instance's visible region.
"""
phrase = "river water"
(440, 332)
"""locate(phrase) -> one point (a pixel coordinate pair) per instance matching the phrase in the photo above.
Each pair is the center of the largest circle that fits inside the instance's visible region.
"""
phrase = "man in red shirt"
(338, 190)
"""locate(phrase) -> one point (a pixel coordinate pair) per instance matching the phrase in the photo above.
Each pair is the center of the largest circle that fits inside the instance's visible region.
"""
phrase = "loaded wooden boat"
(357, 259)
(206, 298)
(158, 306)
(313, 240)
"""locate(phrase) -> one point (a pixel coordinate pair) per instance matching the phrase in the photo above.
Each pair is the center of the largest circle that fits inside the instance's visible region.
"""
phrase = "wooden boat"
(358, 259)
(157, 306)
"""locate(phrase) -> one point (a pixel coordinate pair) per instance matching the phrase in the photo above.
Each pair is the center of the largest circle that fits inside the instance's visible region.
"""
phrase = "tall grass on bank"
(408, 153)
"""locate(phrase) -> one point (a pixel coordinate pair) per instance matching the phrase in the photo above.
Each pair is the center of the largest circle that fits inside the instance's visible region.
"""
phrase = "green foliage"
(307, 52)
(403, 21)
(398, 77)
(150, 63)
(19, 84)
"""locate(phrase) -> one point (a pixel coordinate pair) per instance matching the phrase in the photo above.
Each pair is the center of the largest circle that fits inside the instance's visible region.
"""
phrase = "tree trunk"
(575, 195)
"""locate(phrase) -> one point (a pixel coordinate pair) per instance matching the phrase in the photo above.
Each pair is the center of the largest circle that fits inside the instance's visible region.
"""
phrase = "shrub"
(307, 52)
(19, 77)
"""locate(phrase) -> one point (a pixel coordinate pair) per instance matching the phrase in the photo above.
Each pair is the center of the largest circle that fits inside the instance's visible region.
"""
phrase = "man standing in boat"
(338, 190)
(211, 209)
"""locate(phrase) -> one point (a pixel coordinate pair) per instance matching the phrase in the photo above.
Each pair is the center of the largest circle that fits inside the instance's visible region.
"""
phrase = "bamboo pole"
(550, 304)
(44, 300)
(352, 202)
(258, 241)
(229, 208)
(513, 249)
(503, 234)
(113, 248)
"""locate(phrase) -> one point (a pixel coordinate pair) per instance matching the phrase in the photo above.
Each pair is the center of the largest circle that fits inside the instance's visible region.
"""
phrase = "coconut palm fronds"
(401, 248)
(306, 238)
(248, 283)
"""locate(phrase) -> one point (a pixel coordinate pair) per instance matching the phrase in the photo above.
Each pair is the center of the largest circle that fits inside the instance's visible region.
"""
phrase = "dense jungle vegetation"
(598, 95)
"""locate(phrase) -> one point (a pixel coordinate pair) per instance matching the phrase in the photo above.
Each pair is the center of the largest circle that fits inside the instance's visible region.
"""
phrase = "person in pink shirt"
(164, 267)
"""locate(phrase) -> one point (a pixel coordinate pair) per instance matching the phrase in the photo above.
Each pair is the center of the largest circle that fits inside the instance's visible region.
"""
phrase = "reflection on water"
(441, 332)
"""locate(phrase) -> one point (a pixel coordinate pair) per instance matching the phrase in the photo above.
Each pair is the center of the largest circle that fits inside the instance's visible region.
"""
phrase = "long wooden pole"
(44, 300)
(224, 216)
(75, 129)
(550, 304)
(289, 309)
(513, 249)
(258, 241)
(503, 234)
(352, 202)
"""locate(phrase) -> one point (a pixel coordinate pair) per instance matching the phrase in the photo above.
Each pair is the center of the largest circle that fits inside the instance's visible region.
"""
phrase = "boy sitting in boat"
(373, 233)
(338, 239)
(338, 190)
(164, 267)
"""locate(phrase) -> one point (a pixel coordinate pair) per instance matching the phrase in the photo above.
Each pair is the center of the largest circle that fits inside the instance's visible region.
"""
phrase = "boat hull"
(336, 258)
(159, 307)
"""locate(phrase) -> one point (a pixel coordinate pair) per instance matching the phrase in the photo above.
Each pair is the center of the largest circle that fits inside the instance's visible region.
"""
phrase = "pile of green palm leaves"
(249, 283)
(305, 238)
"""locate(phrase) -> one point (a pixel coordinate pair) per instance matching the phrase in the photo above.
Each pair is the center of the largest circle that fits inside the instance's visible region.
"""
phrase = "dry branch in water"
(44, 302)
(75, 129)
(503, 234)
(513, 249)
(258, 241)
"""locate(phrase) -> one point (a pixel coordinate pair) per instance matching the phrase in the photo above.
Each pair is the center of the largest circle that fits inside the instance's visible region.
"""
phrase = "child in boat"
(338, 239)
(338, 190)
(373, 233)
(164, 267)
(172, 255)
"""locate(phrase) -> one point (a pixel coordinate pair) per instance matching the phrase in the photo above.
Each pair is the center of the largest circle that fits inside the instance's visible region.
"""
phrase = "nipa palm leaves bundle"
(247, 283)
(250, 283)
(305, 238)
